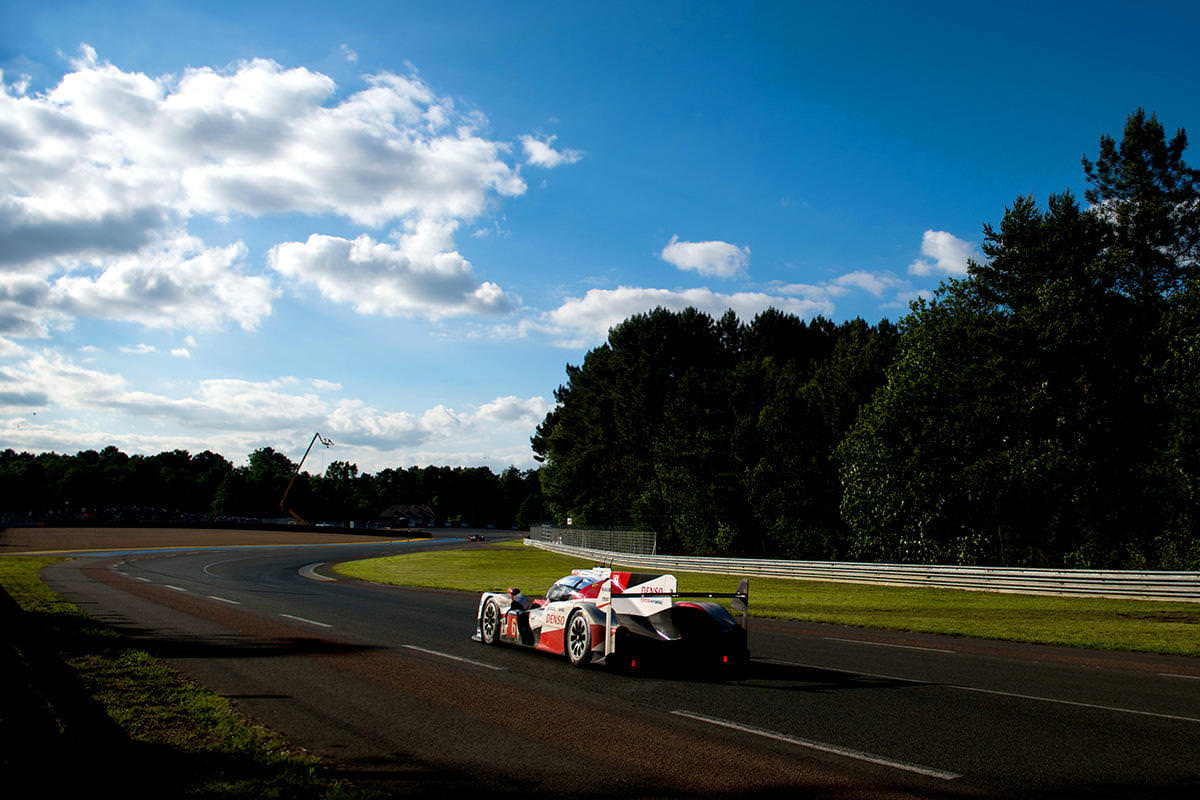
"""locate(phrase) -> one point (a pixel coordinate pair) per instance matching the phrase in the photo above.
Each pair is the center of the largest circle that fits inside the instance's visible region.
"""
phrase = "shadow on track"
(767, 674)
(796, 677)
(184, 647)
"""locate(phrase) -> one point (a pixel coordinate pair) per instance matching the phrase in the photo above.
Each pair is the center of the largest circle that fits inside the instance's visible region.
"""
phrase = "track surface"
(388, 683)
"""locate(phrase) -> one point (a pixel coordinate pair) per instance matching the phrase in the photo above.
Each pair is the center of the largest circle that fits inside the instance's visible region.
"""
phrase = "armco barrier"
(1073, 582)
(643, 542)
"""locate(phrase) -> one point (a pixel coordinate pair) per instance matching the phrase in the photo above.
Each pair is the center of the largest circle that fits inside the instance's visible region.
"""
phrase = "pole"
(283, 500)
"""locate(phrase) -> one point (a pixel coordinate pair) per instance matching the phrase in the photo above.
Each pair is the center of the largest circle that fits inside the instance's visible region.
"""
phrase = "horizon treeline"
(110, 484)
(1043, 410)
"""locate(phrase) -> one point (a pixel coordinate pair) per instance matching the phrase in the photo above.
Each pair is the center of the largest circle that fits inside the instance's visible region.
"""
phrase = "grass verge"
(1132, 625)
(83, 709)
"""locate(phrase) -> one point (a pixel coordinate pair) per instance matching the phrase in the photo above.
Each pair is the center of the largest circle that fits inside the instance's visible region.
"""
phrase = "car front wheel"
(579, 640)
(489, 622)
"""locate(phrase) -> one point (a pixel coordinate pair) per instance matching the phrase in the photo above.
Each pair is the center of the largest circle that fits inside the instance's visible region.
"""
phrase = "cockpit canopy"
(570, 588)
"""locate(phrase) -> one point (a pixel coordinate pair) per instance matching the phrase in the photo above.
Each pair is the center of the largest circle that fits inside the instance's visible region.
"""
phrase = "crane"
(283, 500)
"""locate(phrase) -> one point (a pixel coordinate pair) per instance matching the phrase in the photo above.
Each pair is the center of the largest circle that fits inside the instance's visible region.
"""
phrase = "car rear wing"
(740, 600)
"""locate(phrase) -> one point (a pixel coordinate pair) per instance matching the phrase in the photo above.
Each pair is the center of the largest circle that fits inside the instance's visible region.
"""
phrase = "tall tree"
(640, 434)
(1151, 199)
(1148, 195)
(715, 434)
(1027, 416)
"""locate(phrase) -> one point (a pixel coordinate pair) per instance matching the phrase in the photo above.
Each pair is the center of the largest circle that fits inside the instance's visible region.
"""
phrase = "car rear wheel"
(579, 640)
(489, 622)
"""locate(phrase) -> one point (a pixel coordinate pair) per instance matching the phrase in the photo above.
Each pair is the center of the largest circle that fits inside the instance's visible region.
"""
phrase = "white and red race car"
(628, 619)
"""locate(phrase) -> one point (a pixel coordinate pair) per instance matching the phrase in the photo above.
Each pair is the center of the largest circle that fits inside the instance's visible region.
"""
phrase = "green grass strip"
(161, 730)
(1132, 625)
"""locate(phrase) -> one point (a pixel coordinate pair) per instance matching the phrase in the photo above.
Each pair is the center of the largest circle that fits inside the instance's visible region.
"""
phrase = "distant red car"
(475, 537)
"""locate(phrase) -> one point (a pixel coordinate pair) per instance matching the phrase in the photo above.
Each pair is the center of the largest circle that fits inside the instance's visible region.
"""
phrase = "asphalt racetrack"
(388, 684)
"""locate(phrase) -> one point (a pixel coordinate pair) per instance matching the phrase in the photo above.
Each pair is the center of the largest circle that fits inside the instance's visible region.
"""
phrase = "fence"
(1071, 582)
(641, 542)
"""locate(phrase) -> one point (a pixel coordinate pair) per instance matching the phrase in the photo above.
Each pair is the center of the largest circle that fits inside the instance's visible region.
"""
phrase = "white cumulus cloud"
(103, 173)
(417, 275)
(942, 254)
(719, 259)
(874, 283)
(176, 284)
(234, 415)
(585, 321)
(541, 152)
(513, 410)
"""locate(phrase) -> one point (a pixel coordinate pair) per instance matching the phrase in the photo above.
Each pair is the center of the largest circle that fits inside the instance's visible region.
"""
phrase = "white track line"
(208, 567)
(1076, 703)
(846, 671)
(960, 687)
(888, 644)
(307, 621)
(310, 572)
(224, 600)
(826, 748)
(454, 658)
(1178, 675)
(175, 588)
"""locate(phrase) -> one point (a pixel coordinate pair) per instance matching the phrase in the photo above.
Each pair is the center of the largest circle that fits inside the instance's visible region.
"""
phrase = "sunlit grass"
(1134, 625)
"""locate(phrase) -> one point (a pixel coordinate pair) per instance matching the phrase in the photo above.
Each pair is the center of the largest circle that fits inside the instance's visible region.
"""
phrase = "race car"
(630, 620)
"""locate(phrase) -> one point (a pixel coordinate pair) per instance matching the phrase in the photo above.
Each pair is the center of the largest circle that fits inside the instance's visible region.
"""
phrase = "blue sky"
(226, 225)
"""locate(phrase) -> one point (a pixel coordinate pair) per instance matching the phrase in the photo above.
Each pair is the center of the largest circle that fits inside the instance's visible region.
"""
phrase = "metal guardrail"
(1140, 585)
(643, 542)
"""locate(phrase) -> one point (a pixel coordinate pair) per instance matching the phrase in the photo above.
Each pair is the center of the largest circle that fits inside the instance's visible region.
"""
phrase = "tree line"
(1042, 410)
(713, 433)
(110, 485)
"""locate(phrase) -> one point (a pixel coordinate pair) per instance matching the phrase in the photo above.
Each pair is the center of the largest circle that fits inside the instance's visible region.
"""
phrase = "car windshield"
(568, 587)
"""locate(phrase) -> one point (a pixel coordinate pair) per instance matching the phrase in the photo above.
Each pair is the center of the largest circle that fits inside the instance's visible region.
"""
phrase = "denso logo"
(555, 620)
(652, 590)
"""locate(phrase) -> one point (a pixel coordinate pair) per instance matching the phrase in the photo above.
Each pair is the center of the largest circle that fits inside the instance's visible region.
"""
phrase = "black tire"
(489, 623)
(579, 639)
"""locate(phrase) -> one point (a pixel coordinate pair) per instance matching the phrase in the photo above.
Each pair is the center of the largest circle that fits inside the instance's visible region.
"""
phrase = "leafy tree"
(806, 419)
(24, 483)
(916, 451)
(1177, 466)
(1148, 196)
(1040, 411)
(641, 431)
(715, 434)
